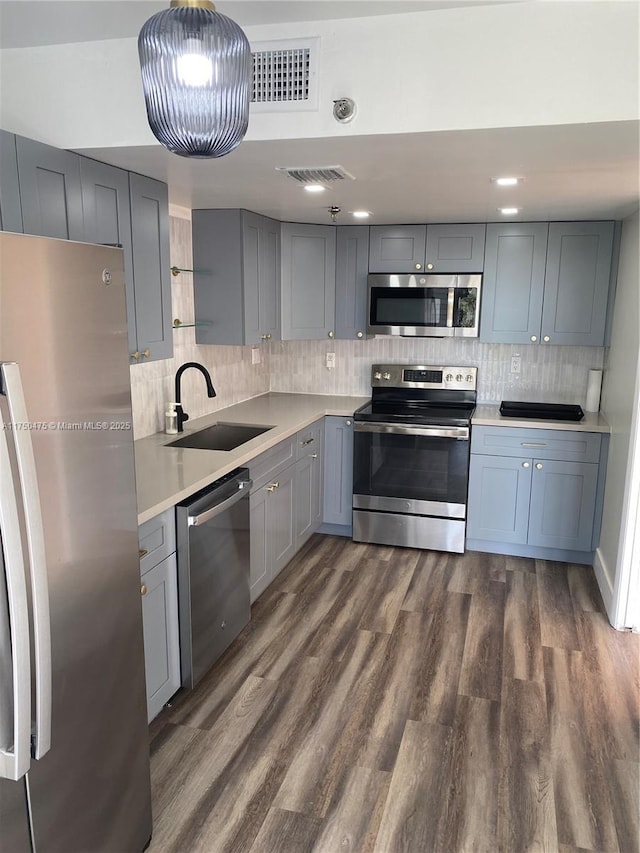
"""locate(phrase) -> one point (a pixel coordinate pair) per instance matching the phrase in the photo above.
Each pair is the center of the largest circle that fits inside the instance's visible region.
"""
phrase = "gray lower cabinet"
(546, 283)
(50, 192)
(272, 528)
(151, 268)
(10, 209)
(309, 482)
(236, 257)
(308, 281)
(338, 471)
(397, 248)
(352, 267)
(534, 488)
(159, 590)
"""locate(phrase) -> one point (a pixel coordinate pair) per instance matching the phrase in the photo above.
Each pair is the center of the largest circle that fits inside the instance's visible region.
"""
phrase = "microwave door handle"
(12, 388)
(15, 761)
(450, 306)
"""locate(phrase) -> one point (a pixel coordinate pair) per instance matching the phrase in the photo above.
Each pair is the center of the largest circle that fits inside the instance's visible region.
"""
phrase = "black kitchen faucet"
(211, 391)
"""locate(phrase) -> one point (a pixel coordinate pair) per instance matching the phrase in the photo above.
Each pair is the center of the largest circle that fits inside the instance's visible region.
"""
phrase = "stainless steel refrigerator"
(74, 760)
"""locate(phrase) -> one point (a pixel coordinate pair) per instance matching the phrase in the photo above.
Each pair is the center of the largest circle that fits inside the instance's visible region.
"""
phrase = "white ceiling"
(575, 171)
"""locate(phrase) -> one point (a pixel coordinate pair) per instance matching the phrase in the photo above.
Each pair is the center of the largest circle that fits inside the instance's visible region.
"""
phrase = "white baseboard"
(605, 582)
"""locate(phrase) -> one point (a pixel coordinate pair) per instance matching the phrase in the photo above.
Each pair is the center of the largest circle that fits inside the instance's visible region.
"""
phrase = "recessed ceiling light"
(314, 188)
(509, 211)
(506, 182)
(361, 214)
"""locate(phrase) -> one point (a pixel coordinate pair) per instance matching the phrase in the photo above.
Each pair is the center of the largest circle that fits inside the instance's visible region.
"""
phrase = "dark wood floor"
(386, 700)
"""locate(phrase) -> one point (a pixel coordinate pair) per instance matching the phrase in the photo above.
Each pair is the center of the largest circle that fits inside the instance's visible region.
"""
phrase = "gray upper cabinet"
(455, 248)
(107, 220)
(513, 282)
(50, 193)
(352, 265)
(10, 209)
(397, 248)
(577, 283)
(151, 268)
(236, 257)
(546, 283)
(308, 281)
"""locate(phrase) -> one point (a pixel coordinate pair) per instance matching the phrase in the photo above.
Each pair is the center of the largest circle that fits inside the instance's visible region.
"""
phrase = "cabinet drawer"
(563, 445)
(158, 538)
(309, 440)
(265, 466)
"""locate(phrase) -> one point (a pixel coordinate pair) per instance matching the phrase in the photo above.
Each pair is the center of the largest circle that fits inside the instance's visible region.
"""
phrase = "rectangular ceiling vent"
(316, 174)
(285, 75)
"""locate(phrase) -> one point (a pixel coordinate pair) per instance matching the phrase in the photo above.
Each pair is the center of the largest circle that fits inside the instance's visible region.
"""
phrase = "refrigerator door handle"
(15, 759)
(12, 388)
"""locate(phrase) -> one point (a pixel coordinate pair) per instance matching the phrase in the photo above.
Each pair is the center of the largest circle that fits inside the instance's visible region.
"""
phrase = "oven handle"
(460, 433)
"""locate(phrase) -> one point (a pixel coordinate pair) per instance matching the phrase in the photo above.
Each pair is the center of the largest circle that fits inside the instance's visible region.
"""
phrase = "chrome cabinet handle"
(136, 355)
(418, 266)
(532, 444)
(142, 552)
(313, 456)
(12, 386)
(526, 464)
(429, 266)
(546, 339)
(539, 466)
(143, 589)
(332, 334)
(360, 335)
(308, 441)
(273, 486)
(348, 423)
(534, 338)
(146, 352)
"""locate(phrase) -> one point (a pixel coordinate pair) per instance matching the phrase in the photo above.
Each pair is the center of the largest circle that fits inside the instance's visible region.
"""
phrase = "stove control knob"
(449, 377)
(386, 376)
(459, 377)
(377, 375)
(469, 377)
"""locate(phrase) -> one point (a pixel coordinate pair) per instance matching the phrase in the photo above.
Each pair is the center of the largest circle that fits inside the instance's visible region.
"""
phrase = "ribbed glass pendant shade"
(196, 75)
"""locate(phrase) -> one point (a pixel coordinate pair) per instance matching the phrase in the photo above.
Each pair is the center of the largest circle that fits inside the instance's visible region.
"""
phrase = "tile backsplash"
(549, 373)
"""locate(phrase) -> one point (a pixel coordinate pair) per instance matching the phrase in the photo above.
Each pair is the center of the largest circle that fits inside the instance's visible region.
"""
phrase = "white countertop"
(167, 475)
(490, 416)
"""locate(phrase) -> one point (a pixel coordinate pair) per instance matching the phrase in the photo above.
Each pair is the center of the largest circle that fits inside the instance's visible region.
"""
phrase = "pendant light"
(197, 75)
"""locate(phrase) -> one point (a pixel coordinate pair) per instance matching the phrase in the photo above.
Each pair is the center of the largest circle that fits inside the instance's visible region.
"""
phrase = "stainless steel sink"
(220, 436)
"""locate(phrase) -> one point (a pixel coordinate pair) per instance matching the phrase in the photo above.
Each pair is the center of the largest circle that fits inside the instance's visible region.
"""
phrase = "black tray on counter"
(544, 411)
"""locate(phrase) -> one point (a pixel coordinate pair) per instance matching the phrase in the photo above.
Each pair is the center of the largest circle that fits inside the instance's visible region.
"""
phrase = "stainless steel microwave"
(439, 305)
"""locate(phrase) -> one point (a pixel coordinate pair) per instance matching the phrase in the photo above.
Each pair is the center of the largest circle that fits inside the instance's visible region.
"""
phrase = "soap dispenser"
(171, 420)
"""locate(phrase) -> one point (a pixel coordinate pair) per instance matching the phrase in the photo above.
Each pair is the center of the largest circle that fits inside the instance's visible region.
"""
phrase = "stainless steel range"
(411, 457)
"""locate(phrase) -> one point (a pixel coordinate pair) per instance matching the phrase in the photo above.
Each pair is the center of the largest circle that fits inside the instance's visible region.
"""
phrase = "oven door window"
(409, 306)
(411, 467)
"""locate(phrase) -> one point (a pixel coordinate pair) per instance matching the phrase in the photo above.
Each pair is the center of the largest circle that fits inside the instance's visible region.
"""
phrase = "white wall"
(619, 402)
(483, 66)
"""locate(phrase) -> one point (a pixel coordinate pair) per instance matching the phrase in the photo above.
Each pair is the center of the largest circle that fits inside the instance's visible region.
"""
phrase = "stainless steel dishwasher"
(213, 572)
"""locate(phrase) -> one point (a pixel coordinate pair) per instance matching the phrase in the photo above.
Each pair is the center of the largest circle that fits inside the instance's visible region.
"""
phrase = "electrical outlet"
(255, 355)
(331, 360)
(515, 363)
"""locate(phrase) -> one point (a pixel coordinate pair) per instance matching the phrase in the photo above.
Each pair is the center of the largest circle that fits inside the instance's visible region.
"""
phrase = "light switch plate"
(331, 360)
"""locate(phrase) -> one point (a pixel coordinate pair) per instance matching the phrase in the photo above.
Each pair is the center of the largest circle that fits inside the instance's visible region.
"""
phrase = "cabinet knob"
(429, 266)
(266, 337)
(313, 456)
(526, 464)
(142, 552)
(273, 486)
(347, 423)
(143, 589)
(146, 352)
(539, 466)
(418, 266)
(359, 335)
(332, 334)
(546, 339)
(534, 338)
(136, 355)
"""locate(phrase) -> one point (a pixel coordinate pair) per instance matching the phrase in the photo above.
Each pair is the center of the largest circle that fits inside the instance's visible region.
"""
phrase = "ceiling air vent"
(284, 75)
(316, 174)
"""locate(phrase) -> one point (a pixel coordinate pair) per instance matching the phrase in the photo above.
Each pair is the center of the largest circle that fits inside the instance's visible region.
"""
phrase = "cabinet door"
(260, 574)
(281, 521)
(397, 248)
(107, 220)
(308, 496)
(151, 267)
(50, 192)
(352, 266)
(10, 209)
(577, 283)
(455, 248)
(308, 281)
(261, 278)
(161, 639)
(499, 491)
(338, 471)
(563, 500)
(513, 282)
